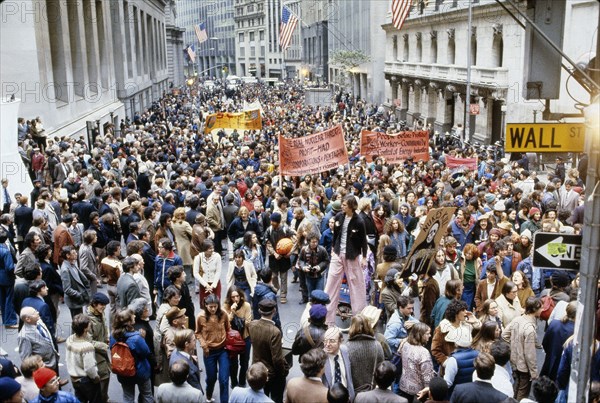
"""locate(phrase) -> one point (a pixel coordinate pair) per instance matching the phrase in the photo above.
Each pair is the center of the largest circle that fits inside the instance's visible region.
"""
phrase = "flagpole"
(467, 125)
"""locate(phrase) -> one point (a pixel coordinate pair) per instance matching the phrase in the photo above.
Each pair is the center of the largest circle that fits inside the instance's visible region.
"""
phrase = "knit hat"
(390, 250)
(320, 297)
(490, 198)
(358, 186)
(42, 376)
(527, 234)
(276, 217)
(560, 279)
(317, 312)
(100, 298)
(499, 206)
(496, 231)
(8, 388)
(533, 211)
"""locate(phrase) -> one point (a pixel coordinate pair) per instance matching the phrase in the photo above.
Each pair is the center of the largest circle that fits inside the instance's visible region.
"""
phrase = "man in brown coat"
(62, 238)
(309, 388)
(267, 348)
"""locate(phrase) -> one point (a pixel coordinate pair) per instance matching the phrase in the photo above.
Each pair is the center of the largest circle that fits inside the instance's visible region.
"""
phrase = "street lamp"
(216, 52)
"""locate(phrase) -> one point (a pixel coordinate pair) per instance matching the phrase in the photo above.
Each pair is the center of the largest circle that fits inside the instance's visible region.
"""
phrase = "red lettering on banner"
(396, 147)
(312, 154)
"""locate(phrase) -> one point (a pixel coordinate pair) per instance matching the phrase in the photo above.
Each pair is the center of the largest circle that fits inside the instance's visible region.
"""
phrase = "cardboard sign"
(428, 241)
(249, 120)
(545, 137)
(395, 148)
(313, 154)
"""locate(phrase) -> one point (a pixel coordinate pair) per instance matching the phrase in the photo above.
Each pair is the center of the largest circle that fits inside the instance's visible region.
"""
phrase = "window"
(241, 37)
(451, 51)
(406, 48)
(261, 35)
(251, 36)
(419, 48)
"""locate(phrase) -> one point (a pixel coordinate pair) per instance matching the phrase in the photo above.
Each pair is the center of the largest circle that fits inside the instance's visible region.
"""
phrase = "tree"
(347, 60)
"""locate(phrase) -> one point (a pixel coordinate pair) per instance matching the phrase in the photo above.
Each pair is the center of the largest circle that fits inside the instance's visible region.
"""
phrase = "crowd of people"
(146, 219)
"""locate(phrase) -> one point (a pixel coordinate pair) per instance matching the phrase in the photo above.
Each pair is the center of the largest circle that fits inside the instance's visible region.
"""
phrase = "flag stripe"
(288, 24)
(201, 32)
(191, 53)
(400, 10)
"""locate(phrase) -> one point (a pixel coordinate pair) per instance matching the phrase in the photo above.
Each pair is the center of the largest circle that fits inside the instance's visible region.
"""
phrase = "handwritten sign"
(428, 241)
(312, 154)
(395, 148)
(248, 120)
(454, 163)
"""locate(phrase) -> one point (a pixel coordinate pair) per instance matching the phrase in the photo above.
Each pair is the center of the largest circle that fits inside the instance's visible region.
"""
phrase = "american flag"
(288, 24)
(201, 32)
(400, 9)
(191, 51)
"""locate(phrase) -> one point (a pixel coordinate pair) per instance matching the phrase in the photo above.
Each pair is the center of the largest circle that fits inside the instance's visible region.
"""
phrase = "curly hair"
(454, 307)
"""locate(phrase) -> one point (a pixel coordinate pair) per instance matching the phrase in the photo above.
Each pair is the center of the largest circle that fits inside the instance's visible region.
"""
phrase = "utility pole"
(585, 328)
(467, 133)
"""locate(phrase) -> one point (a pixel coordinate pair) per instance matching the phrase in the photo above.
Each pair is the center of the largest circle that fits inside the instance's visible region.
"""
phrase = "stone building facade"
(426, 65)
(83, 64)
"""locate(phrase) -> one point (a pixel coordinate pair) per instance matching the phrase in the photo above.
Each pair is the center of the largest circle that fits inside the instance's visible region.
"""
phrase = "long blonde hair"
(384, 240)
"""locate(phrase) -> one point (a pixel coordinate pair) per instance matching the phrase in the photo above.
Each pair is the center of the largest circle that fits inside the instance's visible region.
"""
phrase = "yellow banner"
(545, 137)
(249, 120)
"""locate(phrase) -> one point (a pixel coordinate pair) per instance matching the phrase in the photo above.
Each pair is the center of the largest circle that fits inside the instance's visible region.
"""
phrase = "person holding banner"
(348, 257)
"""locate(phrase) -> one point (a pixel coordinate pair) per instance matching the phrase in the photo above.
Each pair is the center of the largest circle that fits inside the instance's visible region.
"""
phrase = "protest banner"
(312, 154)
(252, 106)
(428, 241)
(454, 164)
(249, 120)
(395, 148)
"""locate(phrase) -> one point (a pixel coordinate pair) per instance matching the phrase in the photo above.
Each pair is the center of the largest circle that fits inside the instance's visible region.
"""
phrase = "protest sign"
(312, 154)
(249, 120)
(454, 164)
(395, 148)
(428, 241)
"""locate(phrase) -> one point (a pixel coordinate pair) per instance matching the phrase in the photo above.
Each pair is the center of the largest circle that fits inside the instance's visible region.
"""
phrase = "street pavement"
(290, 314)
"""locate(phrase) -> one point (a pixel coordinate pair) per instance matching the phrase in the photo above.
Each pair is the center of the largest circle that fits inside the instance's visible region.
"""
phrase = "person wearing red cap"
(534, 223)
(48, 382)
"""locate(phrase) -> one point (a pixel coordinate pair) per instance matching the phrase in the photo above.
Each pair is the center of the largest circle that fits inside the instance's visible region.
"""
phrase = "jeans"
(145, 388)
(9, 316)
(217, 363)
(468, 294)
(243, 358)
(314, 284)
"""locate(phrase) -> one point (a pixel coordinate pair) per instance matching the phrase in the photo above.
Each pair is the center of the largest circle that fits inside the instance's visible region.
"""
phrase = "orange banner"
(313, 154)
(396, 147)
(248, 120)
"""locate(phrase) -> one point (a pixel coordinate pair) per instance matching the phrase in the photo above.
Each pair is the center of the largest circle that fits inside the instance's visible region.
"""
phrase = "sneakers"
(283, 300)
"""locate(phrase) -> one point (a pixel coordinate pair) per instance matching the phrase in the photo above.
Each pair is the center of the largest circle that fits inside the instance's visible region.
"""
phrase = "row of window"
(496, 59)
(251, 36)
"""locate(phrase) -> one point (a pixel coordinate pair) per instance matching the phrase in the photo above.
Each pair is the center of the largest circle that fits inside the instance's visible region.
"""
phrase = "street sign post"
(545, 137)
(556, 251)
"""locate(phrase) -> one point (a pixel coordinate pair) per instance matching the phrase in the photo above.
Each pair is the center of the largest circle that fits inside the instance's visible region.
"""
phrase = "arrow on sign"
(553, 251)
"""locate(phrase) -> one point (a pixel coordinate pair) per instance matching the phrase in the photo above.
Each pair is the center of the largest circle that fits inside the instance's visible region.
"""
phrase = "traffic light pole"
(585, 323)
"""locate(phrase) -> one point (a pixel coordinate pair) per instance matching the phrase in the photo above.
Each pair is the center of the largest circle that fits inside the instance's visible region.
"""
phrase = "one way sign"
(556, 251)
